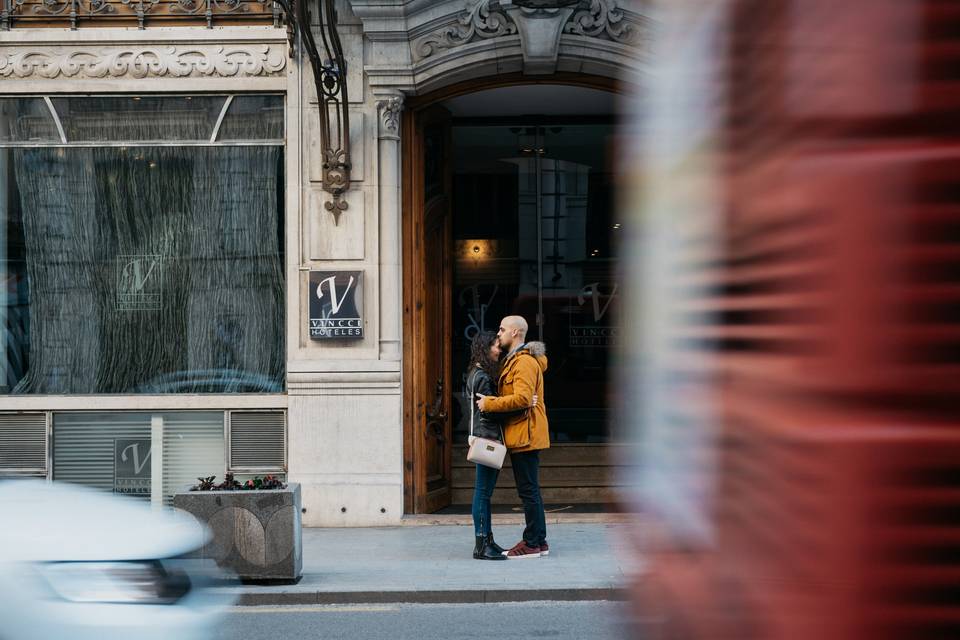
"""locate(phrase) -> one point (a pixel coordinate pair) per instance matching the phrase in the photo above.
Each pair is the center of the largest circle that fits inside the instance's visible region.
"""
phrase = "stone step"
(463, 477)
(553, 495)
(586, 455)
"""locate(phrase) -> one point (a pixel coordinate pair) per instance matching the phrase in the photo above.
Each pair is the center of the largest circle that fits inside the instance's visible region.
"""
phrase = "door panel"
(431, 350)
(535, 233)
(436, 354)
(503, 219)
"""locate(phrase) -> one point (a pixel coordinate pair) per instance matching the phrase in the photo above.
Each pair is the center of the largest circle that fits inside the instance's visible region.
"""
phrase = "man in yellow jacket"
(525, 431)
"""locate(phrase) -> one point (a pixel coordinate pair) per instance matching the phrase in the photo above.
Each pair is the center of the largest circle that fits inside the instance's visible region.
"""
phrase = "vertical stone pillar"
(391, 282)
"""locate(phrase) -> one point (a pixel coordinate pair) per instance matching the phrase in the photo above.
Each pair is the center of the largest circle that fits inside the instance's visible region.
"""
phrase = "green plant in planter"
(267, 482)
(205, 484)
(231, 484)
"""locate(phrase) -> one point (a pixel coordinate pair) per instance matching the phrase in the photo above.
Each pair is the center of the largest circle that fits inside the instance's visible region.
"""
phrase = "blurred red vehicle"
(797, 310)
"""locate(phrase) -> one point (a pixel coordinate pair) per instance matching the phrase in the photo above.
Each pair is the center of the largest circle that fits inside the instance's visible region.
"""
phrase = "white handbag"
(489, 453)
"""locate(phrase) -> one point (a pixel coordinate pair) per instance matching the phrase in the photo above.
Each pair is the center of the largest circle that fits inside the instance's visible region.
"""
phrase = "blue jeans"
(526, 472)
(482, 492)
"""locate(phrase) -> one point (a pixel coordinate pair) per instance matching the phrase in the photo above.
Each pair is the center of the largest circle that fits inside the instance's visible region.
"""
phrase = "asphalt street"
(500, 621)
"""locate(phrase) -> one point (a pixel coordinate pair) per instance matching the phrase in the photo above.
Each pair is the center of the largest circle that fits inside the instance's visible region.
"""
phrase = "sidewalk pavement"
(433, 564)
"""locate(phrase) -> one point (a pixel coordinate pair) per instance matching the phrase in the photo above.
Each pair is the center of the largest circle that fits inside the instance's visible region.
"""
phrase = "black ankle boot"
(478, 547)
(489, 551)
(493, 545)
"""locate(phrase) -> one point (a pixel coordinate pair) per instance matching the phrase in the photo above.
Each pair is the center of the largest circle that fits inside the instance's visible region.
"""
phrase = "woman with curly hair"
(482, 375)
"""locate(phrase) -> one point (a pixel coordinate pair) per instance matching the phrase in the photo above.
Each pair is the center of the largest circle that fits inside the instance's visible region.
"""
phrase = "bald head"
(512, 333)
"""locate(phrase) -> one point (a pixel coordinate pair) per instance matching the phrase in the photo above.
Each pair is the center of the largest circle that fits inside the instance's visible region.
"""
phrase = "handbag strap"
(471, 386)
(472, 391)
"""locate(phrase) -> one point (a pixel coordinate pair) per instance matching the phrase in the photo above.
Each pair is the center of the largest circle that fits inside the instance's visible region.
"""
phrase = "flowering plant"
(231, 484)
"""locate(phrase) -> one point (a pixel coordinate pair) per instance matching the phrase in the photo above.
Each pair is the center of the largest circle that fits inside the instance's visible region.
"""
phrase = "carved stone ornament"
(336, 180)
(540, 30)
(390, 115)
(485, 19)
(602, 19)
(143, 62)
(479, 22)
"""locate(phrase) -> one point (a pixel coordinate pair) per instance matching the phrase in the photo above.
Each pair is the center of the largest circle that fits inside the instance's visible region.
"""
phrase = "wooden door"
(427, 342)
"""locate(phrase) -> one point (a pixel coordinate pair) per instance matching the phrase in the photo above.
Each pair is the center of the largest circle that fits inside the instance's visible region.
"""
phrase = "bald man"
(525, 431)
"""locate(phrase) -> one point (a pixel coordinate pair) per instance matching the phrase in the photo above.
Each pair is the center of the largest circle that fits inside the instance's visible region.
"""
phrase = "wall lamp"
(330, 79)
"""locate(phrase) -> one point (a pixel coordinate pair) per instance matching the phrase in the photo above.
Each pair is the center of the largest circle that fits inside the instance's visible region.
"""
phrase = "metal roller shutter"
(23, 444)
(258, 441)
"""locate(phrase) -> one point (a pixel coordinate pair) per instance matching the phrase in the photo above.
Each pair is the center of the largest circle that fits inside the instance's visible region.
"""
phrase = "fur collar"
(536, 348)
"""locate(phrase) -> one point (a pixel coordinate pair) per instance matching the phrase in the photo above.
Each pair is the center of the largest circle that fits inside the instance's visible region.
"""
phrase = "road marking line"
(317, 608)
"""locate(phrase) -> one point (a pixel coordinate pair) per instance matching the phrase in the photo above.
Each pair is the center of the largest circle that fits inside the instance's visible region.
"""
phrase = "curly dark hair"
(480, 354)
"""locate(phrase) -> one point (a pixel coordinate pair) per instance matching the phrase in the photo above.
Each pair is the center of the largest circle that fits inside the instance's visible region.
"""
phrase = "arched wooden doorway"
(433, 477)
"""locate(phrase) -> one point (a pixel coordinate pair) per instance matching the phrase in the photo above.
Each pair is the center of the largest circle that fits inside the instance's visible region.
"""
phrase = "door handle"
(435, 429)
(436, 416)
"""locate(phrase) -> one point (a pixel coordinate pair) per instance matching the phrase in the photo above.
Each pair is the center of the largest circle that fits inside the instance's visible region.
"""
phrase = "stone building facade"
(348, 417)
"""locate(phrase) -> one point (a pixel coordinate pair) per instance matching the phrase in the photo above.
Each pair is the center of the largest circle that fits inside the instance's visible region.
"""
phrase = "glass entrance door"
(535, 234)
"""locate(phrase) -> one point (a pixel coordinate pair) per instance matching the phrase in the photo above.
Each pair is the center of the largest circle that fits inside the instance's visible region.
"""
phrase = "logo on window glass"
(590, 321)
(131, 466)
(139, 283)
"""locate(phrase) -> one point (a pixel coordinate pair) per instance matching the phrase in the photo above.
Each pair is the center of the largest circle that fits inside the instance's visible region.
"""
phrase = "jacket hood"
(537, 349)
(539, 352)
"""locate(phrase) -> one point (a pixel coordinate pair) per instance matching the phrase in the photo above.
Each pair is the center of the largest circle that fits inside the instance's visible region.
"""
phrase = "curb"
(430, 597)
(507, 519)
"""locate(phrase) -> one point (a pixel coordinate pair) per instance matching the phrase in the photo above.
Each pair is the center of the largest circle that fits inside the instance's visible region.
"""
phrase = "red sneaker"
(522, 550)
(544, 549)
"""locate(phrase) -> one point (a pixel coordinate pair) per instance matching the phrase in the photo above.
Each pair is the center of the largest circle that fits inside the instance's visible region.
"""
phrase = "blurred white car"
(76, 563)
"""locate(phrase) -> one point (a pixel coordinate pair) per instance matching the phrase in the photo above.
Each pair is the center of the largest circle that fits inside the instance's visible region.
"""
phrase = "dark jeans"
(482, 491)
(526, 472)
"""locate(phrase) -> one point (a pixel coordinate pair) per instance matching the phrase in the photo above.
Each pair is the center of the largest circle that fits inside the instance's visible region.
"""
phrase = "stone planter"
(256, 534)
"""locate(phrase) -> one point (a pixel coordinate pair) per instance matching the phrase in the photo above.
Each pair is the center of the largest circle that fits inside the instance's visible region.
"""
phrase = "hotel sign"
(336, 305)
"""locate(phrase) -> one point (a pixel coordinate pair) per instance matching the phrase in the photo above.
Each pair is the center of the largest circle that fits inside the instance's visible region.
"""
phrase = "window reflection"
(535, 236)
(132, 118)
(26, 120)
(141, 269)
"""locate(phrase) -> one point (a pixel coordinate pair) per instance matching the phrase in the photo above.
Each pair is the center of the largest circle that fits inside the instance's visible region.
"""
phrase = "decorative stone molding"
(603, 20)
(495, 18)
(142, 62)
(99, 13)
(390, 109)
(479, 22)
(540, 31)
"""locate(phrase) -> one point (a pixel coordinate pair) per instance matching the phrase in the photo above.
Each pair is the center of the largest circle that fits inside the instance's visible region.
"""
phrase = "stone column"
(391, 281)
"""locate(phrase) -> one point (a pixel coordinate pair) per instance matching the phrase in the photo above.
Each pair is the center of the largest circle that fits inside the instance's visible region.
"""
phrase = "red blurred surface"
(814, 333)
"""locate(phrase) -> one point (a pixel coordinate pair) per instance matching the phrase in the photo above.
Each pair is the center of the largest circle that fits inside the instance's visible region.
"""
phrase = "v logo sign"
(593, 290)
(335, 302)
(138, 464)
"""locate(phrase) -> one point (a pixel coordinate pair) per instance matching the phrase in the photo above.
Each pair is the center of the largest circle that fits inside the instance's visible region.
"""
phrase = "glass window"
(86, 447)
(142, 269)
(535, 235)
(139, 118)
(115, 451)
(252, 118)
(193, 447)
(26, 120)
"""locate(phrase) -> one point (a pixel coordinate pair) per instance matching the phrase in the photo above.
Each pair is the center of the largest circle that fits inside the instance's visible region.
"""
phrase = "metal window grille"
(257, 441)
(23, 444)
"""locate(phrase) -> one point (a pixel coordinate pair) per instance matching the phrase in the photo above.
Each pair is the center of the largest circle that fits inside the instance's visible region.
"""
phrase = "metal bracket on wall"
(330, 80)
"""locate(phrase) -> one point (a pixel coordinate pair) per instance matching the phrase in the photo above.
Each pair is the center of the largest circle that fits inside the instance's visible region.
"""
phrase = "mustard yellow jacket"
(520, 378)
